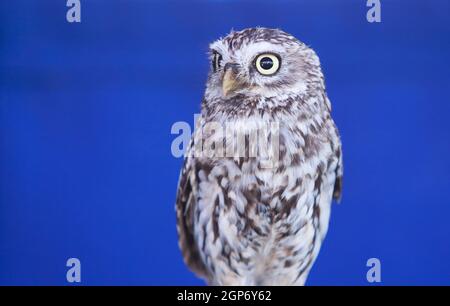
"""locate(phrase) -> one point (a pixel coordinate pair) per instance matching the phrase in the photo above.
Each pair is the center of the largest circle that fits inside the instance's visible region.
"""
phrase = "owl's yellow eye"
(267, 64)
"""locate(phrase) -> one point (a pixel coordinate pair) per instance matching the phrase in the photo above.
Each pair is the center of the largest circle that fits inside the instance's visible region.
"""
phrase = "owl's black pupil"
(266, 63)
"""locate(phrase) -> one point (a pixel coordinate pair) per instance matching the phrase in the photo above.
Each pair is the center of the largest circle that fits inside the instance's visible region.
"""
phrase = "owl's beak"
(230, 82)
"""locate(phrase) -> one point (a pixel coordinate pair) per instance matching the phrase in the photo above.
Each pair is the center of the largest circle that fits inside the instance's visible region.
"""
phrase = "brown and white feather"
(240, 223)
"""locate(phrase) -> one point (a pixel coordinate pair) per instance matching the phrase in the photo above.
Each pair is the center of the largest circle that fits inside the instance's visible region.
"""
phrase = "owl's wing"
(185, 207)
(337, 192)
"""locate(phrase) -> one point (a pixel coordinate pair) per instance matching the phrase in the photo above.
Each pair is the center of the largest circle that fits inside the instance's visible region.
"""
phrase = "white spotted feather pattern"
(243, 224)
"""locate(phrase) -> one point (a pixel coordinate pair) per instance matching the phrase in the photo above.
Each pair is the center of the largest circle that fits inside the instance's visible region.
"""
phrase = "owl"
(241, 220)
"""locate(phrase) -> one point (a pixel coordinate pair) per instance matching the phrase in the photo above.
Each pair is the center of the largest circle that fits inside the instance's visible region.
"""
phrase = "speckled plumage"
(240, 223)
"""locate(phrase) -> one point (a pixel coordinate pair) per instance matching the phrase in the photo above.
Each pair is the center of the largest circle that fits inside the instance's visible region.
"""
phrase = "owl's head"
(261, 63)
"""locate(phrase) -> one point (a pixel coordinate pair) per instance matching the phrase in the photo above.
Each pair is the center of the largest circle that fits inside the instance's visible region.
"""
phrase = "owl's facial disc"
(265, 64)
(258, 63)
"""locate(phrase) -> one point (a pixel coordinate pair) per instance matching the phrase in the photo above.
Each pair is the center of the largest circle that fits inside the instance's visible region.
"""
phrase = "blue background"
(86, 112)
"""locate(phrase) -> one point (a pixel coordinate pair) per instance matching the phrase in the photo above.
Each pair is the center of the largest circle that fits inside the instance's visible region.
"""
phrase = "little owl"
(241, 221)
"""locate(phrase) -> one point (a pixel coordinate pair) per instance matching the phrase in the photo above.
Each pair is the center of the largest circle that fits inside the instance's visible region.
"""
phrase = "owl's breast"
(252, 215)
